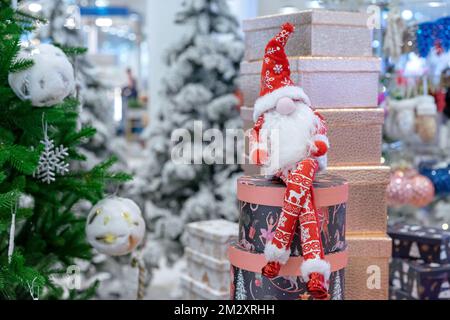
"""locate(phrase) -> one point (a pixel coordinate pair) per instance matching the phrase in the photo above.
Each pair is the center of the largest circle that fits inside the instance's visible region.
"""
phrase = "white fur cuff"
(274, 254)
(269, 101)
(321, 137)
(316, 266)
(323, 163)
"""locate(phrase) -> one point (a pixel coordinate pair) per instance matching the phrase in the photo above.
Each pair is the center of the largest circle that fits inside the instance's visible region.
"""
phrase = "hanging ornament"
(426, 121)
(52, 160)
(115, 226)
(399, 191)
(410, 39)
(401, 118)
(423, 191)
(394, 34)
(409, 188)
(49, 81)
(12, 233)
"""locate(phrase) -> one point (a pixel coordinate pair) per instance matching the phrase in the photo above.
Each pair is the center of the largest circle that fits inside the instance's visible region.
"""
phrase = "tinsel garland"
(430, 33)
(440, 176)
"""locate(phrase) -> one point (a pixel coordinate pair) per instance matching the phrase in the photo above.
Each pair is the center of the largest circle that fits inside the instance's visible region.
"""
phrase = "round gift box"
(260, 202)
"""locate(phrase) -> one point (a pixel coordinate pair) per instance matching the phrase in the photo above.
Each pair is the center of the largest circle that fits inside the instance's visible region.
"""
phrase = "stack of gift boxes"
(331, 59)
(207, 275)
(420, 266)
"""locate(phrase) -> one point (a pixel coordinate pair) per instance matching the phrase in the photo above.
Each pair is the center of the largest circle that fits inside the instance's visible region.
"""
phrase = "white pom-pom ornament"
(115, 226)
(49, 81)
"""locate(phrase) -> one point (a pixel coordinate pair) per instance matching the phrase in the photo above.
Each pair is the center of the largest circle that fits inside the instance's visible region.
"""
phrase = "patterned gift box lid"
(421, 280)
(418, 242)
(220, 231)
(397, 294)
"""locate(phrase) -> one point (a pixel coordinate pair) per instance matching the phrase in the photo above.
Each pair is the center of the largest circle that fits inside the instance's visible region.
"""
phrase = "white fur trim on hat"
(316, 266)
(275, 254)
(269, 101)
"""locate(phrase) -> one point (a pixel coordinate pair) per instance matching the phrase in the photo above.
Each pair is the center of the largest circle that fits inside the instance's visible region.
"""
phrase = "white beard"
(289, 138)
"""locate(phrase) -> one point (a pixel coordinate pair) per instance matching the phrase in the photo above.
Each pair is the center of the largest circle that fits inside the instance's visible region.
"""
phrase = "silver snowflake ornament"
(52, 161)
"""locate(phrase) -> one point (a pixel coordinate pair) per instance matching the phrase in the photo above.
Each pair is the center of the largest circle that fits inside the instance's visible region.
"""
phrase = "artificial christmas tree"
(96, 110)
(200, 86)
(240, 293)
(46, 234)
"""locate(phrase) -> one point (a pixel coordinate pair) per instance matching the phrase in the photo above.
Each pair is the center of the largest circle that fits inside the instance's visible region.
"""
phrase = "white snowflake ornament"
(115, 226)
(49, 81)
(52, 160)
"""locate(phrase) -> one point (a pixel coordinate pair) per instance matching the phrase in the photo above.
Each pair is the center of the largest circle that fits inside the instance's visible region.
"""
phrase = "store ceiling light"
(288, 9)
(435, 4)
(101, 3)
(103, 22)
(132, 37)
(407, 14)
(35, 7)
(315, 4)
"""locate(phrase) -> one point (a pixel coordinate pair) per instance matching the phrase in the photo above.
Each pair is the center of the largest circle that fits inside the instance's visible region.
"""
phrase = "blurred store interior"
(133, 35)
(127, 44)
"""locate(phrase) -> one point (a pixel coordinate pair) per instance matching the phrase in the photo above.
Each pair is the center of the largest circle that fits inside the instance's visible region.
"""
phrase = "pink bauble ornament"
(423, 191)
(285, 106)
(399, 190)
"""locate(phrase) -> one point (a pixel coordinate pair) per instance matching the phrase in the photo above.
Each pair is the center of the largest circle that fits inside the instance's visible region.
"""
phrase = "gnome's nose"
(285, 106)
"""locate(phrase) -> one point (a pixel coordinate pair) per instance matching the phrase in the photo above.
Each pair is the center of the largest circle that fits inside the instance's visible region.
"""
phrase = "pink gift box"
(329, 82)
(319, 33)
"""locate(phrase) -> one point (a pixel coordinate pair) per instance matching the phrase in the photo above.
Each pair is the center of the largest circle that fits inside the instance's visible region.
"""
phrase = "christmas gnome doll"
(289, 141)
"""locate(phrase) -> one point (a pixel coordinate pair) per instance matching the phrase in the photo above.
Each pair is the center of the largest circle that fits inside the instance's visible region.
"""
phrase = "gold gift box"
(366, 206)
(367, 274)
(356, 138)
(319, 33)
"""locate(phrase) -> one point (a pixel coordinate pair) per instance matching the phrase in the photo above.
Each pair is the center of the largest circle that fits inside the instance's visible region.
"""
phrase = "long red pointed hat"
(276, 81)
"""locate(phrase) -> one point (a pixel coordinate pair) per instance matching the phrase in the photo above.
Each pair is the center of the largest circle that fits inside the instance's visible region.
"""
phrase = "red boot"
(271, 270)
(316, 286)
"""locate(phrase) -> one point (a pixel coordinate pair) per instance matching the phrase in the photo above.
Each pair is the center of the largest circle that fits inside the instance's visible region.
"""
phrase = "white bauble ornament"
(115, 226)
(49, 81)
